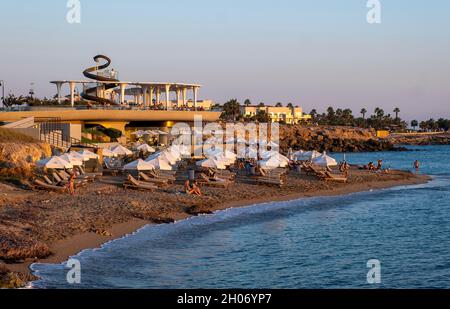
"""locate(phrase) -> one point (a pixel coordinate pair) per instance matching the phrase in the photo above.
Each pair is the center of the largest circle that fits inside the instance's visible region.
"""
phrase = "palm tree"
(279, 104)
(261, 104)
(290, 105)
(396, 111)
(363, 113)
(247, 102)
(231, 109)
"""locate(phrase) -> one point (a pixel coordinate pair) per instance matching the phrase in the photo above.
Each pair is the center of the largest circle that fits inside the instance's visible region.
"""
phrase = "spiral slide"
(90, 94)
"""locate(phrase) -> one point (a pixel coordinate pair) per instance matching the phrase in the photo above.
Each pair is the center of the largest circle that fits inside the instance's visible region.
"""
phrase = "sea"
(391, 238)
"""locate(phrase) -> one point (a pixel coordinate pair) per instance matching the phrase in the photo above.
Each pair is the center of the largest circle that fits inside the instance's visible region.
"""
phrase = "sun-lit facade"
(286, 115)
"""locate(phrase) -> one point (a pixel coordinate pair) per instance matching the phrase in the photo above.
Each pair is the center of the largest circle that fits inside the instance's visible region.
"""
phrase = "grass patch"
(10, 136)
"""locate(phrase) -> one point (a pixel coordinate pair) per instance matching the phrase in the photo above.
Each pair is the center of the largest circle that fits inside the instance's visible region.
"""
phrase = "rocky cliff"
(17, 158)
(332, 139)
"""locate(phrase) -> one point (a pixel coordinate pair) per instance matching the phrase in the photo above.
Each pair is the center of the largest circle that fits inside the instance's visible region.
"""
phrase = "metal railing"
(51, 132)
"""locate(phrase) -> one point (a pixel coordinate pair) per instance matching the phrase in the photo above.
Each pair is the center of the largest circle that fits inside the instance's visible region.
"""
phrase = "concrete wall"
(72, 130)
(32, 132)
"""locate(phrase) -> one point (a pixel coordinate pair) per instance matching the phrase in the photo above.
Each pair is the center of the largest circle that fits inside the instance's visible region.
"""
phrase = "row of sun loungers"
(133, 183)
(58, 181)
(311, 170)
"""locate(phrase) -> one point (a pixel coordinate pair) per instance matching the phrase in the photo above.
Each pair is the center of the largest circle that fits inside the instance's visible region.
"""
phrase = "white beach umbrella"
(139, 133)
(221, 157)
(71, 159)
(230, 140)
(121, 151)
(271, 163)
(309, 155)
(298, 154)
(159, 132)
(251, 152)
(54, 162)
(180, 150)
(146, 148)
(160, 163)
(324, 160)
(88, 154)
(273, 144)
(212, 163)
(241, 140)
(151, 132)
(139, 165)
(165, 155)
(108, 153)
(78, 156)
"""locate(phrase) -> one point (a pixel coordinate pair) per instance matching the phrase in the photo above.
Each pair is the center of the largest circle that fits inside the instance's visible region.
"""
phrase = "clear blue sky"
(313, 53)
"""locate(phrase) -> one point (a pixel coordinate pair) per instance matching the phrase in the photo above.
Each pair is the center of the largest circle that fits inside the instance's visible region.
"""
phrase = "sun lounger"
(62, 179)
(92, 175)
(262, 180)
(133, 183)
(42, 185)
(211, 182)
(330, 177)
(157, 181)
(165, 175)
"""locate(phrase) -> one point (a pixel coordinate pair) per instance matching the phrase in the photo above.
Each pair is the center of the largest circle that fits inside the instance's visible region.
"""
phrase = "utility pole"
(2, 84)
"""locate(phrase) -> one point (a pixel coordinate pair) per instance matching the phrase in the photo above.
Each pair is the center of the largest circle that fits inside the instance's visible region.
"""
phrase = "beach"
(104, 211)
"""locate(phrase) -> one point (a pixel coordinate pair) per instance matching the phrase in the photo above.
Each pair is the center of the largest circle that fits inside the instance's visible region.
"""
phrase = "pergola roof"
(149, 84)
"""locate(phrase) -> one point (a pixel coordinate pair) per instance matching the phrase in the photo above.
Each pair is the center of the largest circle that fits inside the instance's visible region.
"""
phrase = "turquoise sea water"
(320, 242)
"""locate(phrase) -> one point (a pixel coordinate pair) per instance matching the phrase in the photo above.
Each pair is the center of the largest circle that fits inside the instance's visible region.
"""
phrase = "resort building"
(103, 100)
(286, 115)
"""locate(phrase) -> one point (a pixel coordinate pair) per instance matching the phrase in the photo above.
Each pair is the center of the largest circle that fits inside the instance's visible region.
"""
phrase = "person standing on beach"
(72, 184)
(417, 166)
(380, 165)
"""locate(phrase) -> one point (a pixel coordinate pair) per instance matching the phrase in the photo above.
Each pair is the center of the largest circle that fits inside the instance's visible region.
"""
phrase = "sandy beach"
(62, 225)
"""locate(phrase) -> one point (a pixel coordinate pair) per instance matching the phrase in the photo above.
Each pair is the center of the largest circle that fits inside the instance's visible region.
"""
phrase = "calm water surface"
(311, 243)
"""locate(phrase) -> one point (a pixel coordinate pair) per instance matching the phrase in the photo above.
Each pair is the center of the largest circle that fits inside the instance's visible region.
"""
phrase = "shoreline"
(64, 249)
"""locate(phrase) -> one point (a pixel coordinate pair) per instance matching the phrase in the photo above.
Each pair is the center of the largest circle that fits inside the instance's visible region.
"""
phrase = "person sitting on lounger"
(192, 190)
(371, 166)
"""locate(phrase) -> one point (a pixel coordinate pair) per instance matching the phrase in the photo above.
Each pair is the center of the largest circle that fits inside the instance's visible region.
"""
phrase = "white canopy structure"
(71, 159)
(121, 151)
(108, 153)
(324, 160)
(159, 132)
(226, 156)
(308, 156)
(160, 163)
(212, 163)
(88, 154)
(251, 152)
(79, 156)
(169, 155)
(273, 162)
(273, 145)
(146, 148)
(180, 150)
(54, 163)
(139, 133)
(139, 165)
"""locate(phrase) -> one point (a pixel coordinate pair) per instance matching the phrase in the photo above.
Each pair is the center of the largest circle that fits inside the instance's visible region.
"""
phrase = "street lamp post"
(2, 83)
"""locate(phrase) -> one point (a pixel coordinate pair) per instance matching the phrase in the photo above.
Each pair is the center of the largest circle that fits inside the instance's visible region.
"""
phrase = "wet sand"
(69, 224)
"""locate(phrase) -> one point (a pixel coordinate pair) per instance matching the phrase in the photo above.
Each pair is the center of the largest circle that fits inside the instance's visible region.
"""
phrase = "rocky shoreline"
(333, 139)
(421, 139)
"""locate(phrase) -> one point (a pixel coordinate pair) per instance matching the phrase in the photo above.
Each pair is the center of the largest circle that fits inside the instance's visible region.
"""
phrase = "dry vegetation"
(10, 136)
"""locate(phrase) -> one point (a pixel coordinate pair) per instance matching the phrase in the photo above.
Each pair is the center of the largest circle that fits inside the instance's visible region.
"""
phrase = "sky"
(314, 53)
